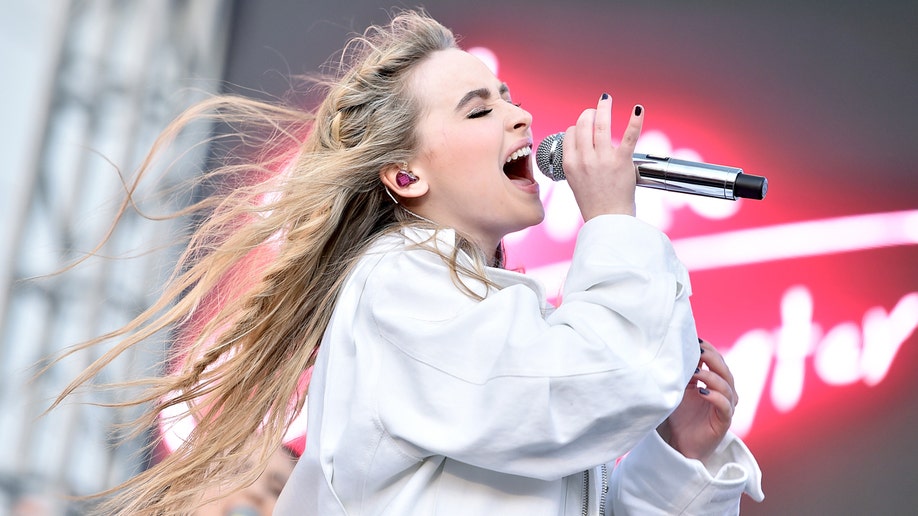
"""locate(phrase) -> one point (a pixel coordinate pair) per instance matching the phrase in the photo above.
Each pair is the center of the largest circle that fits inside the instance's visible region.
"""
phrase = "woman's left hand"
(701, 421)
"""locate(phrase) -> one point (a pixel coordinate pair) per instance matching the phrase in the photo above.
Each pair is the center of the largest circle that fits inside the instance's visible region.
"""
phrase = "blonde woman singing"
(442, 383)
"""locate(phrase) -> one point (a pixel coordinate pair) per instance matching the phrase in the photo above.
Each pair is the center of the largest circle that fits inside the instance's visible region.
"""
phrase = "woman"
(442, 384)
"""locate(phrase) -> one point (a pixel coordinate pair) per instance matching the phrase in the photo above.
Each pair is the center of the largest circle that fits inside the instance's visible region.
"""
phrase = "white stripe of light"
(778, 242)
(799, 240)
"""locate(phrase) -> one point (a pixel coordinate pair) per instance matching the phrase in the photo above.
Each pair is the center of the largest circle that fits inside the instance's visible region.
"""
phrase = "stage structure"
(116, 74)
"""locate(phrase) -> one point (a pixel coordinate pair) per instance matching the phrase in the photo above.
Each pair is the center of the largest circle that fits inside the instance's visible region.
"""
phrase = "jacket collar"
(445, 241)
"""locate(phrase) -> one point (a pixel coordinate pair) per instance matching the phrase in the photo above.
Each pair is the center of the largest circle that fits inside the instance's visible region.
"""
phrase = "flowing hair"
(317, 204)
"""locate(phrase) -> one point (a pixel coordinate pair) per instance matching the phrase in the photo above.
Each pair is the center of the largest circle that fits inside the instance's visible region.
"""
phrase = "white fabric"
(427, 401)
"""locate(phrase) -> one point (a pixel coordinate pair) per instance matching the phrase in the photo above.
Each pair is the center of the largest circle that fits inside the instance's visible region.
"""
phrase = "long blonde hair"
(240, 372)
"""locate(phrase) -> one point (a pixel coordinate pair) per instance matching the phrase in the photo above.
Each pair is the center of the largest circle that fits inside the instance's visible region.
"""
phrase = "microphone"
(671, 174)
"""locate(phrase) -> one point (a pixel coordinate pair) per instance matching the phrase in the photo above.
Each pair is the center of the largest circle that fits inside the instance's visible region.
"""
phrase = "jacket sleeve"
(655, 479)
(502, 384)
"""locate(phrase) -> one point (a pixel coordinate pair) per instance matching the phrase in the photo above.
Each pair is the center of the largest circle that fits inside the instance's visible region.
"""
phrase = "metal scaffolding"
(122, 70)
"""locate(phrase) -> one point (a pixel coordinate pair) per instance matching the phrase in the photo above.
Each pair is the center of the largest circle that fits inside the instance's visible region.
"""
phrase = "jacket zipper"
(604, 489)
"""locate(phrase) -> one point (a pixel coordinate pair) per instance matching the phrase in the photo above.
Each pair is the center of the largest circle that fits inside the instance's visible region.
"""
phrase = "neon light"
(845, 355)
(794, 343)
(884, 334)
(837, 359)
(799, 239)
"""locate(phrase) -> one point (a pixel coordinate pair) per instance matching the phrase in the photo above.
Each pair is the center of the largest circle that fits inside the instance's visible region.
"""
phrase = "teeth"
(525, 151)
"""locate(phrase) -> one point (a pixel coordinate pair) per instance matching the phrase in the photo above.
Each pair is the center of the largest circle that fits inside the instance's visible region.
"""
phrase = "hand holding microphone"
(600, 174)
(591, 149)
(665, 173)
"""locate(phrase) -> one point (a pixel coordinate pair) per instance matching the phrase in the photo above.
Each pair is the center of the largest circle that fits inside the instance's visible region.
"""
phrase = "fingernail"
(697, 370)
(704, 391)
(604, 96)
(700, 340)
(638, 110)
(702, 350)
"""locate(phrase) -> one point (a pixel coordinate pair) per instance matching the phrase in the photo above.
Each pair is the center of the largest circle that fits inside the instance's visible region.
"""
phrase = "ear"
(388, 175)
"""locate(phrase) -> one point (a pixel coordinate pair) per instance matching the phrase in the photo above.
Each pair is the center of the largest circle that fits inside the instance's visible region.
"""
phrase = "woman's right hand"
(603, 177)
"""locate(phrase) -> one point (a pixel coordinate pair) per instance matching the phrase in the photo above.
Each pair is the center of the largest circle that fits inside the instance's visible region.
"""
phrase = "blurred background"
(812, 293)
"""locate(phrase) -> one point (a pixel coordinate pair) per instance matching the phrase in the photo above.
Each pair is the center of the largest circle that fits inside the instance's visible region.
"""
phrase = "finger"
(583, 137)
(568, 147)
(714, 382)
(633, 131)
(602, 125)
(715, 362)
(722, 406)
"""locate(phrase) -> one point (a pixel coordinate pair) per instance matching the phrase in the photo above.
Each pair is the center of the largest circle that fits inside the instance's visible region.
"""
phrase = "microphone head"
(549, 156)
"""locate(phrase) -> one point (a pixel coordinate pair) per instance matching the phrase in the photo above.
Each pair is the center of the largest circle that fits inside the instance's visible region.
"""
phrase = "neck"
(493, 252)
(425, 219)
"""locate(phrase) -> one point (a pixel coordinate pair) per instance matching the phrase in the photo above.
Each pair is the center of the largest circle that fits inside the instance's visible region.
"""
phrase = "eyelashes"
(478, 113)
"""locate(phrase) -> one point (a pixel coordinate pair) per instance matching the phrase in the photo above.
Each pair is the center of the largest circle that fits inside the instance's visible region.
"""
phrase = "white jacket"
(426, 401)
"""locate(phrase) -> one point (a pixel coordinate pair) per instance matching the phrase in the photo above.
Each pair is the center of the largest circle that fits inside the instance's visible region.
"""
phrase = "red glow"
(775, 293)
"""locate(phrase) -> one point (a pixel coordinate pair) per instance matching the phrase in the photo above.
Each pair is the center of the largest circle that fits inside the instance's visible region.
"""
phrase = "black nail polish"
(697, 370)
(605, 96)
(638, 110)
(704, 391)
(700, 340)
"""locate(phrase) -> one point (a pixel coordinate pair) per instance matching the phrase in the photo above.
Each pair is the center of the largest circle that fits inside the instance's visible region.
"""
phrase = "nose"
(520, 118)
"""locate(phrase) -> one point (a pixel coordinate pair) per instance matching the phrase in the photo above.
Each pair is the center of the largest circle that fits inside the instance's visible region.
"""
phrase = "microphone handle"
(718, 181)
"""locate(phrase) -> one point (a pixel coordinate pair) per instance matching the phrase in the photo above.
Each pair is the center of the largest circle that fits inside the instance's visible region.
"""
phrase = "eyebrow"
(481, 93)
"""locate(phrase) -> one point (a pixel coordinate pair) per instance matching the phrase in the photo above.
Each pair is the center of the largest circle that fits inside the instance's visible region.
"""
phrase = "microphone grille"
(549, 156)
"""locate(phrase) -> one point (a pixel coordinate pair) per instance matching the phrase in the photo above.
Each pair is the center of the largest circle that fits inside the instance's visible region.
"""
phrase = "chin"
(538, 216)
(532, 219)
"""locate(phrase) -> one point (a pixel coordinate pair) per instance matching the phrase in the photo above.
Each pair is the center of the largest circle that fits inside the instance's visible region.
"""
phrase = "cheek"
(434, 148)
(465, 160)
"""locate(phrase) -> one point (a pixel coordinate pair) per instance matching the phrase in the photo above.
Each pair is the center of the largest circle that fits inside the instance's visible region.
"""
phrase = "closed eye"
(479, 113)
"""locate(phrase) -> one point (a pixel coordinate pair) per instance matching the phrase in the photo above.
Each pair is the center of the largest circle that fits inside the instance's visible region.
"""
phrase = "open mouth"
(519, 167)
